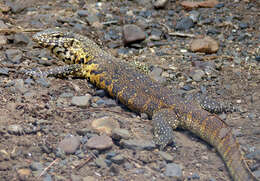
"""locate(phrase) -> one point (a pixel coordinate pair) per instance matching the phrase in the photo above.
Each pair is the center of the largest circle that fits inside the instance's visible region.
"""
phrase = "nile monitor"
(141, 94)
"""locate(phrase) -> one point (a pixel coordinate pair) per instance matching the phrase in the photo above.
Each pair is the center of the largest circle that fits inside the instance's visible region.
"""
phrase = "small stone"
(173, 170)
(24, 173)
(184, 24)
(15, 129)
(69, 144)
(120, 134)
(4, 8)
(100, 142)
(82, 13)
(118, 159)
(243, 25)
(13, 55)
(81, 101)
(166, 156)
(47, 177)
(132, 34)
(105, 125)
(100, 162)
(205, 45)
(155, 74)
(138, 144)
(197, 75)
(4, 71)
(160, 3)
(20, 38)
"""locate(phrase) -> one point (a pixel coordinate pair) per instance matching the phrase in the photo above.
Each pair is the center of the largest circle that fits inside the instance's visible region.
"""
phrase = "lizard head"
(65, 45)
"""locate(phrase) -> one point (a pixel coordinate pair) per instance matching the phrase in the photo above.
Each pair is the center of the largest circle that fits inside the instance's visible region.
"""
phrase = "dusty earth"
(36, 115)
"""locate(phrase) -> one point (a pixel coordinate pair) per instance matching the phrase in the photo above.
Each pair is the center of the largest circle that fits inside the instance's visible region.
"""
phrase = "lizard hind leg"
(164, 121)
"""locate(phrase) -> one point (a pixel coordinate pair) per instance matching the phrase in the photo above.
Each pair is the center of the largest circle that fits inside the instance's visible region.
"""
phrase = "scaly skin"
(143, 95)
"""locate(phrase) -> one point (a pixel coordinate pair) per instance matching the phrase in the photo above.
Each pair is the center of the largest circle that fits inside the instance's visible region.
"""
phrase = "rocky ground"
(66, 129)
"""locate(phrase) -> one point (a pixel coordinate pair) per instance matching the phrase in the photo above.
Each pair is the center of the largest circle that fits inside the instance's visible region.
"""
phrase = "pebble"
(173, 170)
(47, 177)
(69, 144)
(118, 159)
(257, 58)
(243, 25)
(20, 38)
(118, 134)
(132, 34)
(160, 3)
(197, 75)
(15, 129)
(75, 177)
(13, 55)
(105, 125)
(184, 24)
(156, 74)
(99, 142)
(194, 15)
(204, 45)
(195, 176)
(138, 144)
(100, 162)
(82, 13)
(4, 71)
(81, 101)
(166, 156)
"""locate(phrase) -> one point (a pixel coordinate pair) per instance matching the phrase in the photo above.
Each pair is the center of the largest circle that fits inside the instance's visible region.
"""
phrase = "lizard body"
(141, 94)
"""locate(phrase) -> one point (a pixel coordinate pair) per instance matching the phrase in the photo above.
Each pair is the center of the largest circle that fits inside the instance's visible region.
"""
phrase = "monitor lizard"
(141, 94)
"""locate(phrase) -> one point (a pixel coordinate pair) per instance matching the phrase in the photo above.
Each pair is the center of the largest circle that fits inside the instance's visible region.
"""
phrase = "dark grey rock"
(184, 24)
(81, 101)
(257, 58)
(132, 34)
(100, 93)
(138, 144)
(243, 25)
(69, 144)
(173, 170)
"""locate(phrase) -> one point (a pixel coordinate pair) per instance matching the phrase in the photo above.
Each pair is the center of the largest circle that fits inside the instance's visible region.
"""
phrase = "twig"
(47, 168)
(110, 22)
(181, 34)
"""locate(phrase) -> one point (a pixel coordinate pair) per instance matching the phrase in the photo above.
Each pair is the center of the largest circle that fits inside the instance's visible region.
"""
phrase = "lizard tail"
(215, 131)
